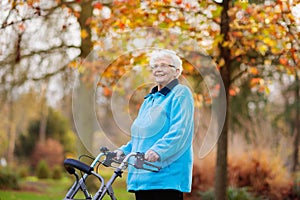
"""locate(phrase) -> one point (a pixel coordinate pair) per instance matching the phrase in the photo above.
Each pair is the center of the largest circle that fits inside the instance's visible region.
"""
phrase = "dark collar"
(165, 90)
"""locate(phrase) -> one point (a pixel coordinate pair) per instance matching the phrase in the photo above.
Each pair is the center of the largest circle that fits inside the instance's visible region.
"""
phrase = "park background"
(48, 47)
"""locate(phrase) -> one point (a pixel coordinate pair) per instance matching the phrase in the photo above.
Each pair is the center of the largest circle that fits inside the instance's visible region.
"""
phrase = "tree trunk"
(297, 126)
(11, 131)
(44, 114)
(12, 127)
(85, 120)
(222, 146)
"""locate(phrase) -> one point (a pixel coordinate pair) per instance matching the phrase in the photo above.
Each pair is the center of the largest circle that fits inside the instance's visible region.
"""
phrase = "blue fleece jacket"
(165, 124)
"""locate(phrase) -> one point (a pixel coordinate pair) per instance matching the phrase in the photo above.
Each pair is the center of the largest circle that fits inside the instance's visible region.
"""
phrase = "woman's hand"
(119, 153)
(151, 156)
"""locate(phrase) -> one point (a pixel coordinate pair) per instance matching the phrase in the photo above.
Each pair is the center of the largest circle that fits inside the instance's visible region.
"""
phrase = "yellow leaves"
(237, 52)
(217, 11)
(158, 3)
(243, 4)
(267, 62)
(221, 62)
(276, 50)
(218, 39)
(267, 90)
(262, 48)
(254, 29)
(84, 34)
(77, 64)
(269, 41)
(81, 69)
(228, 44)
(198, 99)
(73, 64)
(188, 68)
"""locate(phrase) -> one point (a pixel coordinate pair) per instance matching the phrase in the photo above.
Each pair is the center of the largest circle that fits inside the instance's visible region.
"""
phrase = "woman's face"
(163, 71)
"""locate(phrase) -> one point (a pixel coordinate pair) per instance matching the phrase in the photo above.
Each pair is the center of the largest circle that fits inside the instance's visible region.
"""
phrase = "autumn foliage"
(264, 174)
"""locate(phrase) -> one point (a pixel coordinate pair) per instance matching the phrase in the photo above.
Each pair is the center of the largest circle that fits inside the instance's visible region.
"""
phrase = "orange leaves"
(121, 25)
(107, 92)
(283, 60)
(256, 81)
(178, 1)
(31, 2)
(98, 6)
(188, 68)
(253, 71)
(167, 1)
(237, 34)
(234, 90)
(258, 84)
(73, 64)
(256, 28)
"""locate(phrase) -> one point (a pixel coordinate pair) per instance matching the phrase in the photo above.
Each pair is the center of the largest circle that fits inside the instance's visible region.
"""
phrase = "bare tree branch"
(48, 75)
(40, 52)
(37, 14)
(240, 74)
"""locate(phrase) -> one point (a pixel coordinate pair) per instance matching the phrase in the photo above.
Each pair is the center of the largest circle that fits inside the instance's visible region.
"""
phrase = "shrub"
(232, 194)
(295, 190)
(264, 174)
(8, 180)
(51, 151)
(261, 172)
(42, 170)
(23, 171)
(57, 172)
(239, 194)
(208, 195)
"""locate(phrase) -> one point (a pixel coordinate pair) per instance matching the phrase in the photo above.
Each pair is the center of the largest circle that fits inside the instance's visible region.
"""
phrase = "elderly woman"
(163, 130)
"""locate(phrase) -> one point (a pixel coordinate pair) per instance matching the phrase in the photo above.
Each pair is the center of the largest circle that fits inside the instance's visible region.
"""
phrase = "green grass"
(34, 189)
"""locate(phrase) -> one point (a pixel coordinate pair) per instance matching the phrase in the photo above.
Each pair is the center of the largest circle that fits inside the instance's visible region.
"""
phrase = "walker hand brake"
(109, 159)
(140, 161)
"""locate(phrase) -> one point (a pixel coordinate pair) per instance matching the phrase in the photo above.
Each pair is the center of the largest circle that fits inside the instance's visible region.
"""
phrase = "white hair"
(163, 53)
